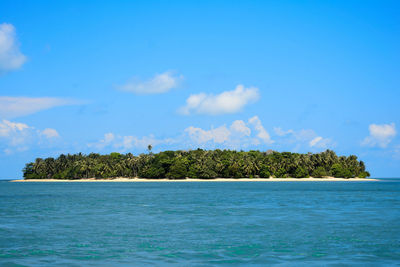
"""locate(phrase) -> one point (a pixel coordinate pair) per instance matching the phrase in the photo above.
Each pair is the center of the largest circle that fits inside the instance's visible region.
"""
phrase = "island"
(197, 164)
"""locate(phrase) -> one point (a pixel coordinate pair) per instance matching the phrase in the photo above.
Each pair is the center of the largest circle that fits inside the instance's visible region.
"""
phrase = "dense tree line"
(198, 163)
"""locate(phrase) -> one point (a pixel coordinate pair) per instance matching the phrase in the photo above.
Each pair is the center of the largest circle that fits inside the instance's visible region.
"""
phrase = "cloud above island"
(240, 134)
(261, 132)
(159, 84)
(124, 143)
(50, 133)
(306, 138)
(11, 57)
(18, 137)
(380, 135)
(227, 102)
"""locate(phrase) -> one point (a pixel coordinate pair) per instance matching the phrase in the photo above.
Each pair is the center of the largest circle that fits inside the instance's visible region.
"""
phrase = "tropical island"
(196, 164)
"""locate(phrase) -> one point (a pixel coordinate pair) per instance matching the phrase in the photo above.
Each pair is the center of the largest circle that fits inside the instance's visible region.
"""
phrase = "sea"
(200, 223)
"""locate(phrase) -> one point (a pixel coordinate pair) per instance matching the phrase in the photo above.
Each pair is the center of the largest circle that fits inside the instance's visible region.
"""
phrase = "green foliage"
(364, 174)
(319, 172)
(265, 171)
(348, 174)
(178, 169)
(196, 164)
(301, 173)
(152, 171)
(339, 171)
(280, 173)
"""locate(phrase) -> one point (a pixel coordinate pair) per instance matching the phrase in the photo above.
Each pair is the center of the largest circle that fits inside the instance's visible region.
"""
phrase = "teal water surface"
(200, 223)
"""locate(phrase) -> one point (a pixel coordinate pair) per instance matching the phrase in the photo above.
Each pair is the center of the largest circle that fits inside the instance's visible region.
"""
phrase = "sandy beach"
(330, 179)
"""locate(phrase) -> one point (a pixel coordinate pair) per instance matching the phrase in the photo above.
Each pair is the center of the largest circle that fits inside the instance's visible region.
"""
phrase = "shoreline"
(140, 180)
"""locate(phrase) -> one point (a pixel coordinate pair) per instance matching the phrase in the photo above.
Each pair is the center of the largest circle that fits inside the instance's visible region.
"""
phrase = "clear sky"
(103, 76)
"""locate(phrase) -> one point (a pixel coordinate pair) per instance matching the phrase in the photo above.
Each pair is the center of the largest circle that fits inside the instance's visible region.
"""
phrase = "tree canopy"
(206, 164)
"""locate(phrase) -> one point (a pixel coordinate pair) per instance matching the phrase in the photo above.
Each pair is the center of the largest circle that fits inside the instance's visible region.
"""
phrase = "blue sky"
(103, 76)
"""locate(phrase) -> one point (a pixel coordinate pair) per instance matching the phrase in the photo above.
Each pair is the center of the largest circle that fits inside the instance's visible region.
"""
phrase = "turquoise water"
(200, 224)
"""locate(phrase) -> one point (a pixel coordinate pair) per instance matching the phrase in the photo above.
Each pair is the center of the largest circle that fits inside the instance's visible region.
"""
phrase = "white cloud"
(129, 142)
(239, 126)
(278, 131)
(12, 107)
(160, 83)
(303, 138)
(315, 141)
(15, 136)
(223, 103)
(108, 138)
(106, 141)
(50, 133)
(237, 135)
(262, 133)
(218, 135)
(124, 143)
(8, 128)
(304, 135)
(10, 56)
(320, 142)
(380, 135)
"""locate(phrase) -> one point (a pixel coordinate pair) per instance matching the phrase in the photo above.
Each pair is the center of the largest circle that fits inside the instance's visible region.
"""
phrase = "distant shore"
(207, 164)
(328, 179)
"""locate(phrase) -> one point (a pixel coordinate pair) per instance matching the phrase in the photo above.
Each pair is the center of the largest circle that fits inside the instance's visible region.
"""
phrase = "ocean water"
(200, 224)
